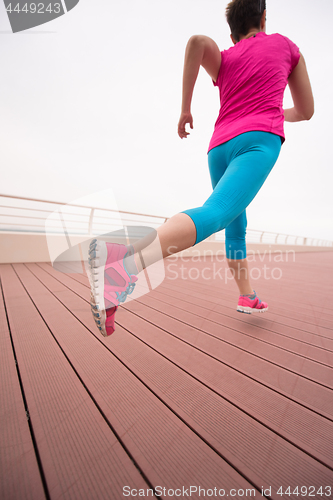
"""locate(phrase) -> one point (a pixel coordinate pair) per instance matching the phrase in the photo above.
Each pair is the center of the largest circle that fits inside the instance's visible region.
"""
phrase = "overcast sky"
(91, 101)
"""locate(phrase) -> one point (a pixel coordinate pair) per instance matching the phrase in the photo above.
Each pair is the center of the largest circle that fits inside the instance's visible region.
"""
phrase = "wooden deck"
(186, 394)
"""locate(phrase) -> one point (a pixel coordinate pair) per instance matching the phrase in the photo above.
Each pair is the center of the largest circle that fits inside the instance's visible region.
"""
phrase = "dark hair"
(242, 15)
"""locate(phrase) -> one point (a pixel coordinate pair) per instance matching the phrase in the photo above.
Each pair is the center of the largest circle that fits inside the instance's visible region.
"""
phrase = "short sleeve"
(219, 76)
(294, 53)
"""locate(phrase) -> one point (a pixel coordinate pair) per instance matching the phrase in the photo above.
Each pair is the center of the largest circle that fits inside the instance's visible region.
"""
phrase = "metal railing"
(30, 215)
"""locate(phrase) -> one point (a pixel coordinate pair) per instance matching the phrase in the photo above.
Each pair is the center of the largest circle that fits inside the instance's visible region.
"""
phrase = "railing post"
(261, 236)
(276, 238)
(91, 221)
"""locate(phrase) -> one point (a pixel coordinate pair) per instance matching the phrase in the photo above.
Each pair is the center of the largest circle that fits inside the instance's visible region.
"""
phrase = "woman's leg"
(235, 246)
(250, 158)
(179, 232)
(175, 235)
(240, 272)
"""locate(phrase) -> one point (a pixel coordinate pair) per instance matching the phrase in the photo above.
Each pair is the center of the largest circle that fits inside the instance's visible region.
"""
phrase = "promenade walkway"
(186, 394)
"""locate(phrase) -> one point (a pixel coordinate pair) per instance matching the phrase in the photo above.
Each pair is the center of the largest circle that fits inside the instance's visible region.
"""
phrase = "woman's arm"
(301, 92)
(200, 51)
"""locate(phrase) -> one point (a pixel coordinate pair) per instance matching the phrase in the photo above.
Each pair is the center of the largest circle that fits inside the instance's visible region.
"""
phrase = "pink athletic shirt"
(252, 79)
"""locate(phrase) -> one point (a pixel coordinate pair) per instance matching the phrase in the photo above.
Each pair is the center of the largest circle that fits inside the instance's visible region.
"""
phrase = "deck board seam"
(249, 335)
(164, 286)
(209, 288)
(202, 438)
(234, 329)
(25, 403)
(242, 349)
(231, 367)
(221, 288)
(258, 326)
(222, 397)
(150, 389)
(79, 377)
(198, 380)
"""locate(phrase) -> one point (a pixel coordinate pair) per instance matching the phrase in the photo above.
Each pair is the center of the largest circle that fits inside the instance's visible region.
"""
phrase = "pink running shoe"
(110, 282)
(249, 305)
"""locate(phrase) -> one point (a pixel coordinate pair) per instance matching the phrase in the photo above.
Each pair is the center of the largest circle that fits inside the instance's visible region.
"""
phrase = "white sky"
(91, 101)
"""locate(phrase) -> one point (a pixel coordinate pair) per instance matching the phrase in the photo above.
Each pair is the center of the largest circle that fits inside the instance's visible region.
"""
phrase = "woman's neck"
(250, 33)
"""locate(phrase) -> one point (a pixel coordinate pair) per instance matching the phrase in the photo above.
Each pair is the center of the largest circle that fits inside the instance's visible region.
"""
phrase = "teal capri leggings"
(238, 168)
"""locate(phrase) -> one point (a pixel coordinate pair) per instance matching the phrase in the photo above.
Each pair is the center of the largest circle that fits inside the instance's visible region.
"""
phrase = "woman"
(251, 77)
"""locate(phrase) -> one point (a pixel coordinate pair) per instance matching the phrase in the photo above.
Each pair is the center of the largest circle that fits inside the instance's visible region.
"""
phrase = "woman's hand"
(184, 119)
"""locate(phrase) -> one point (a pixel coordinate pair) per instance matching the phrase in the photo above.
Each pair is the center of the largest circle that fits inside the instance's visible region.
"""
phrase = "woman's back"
(252, 79)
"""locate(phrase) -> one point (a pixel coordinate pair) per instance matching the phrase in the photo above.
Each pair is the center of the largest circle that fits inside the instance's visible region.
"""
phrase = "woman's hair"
(242, 15)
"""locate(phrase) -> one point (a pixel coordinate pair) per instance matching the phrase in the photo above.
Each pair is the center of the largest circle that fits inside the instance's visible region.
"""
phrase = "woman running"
(251, 77)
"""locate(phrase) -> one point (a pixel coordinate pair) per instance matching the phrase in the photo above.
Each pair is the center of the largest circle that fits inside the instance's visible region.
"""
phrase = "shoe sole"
(250, 310)
(96, 264)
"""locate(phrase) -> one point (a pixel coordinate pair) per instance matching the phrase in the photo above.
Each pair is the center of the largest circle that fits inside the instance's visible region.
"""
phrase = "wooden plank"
(82, 292)
(284, 300)
(184, 293)
(163, 446)
(291, 281)
(297, 388)
(285, 305)
(254, 334)
(288, 384)
(78, 450)
(264, 327)
(223, 425)
(279, 413)
(245, 442)
(19, 473)
(278, 324)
